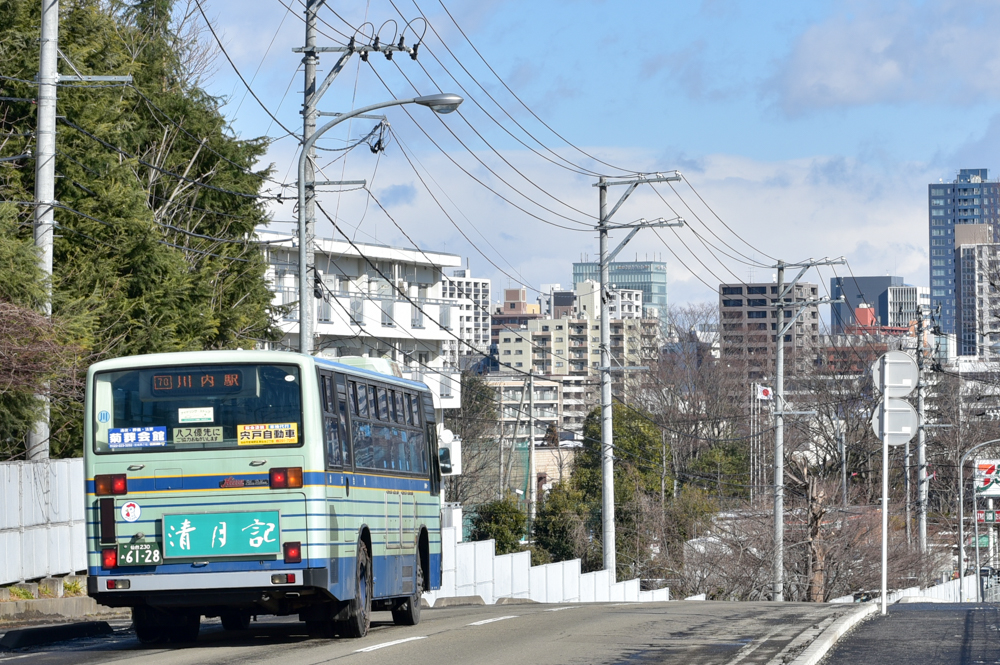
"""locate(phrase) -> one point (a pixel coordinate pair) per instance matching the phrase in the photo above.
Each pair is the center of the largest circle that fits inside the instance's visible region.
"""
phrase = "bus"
(234, 484)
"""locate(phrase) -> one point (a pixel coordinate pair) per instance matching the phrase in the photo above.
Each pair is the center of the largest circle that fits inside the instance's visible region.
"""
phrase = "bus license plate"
(139, 554)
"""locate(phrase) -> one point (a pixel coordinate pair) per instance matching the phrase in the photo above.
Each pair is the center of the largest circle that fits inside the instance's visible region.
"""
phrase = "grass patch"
(20, 594)
(72, 589)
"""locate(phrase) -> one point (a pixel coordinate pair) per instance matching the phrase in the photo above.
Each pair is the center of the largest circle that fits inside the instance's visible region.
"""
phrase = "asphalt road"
(687, 633)
(914, 634)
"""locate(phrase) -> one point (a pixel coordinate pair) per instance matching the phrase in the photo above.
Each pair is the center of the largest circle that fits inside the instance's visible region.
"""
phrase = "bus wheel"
(360, 607)
(147, 629)
(186, 629)
(407, 613)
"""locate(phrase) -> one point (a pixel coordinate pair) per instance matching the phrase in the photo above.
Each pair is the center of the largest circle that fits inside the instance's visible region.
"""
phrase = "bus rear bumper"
(265, 590)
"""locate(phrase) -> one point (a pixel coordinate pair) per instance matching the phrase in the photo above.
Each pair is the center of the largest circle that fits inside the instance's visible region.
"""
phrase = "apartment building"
(376, 301)
(749, 319)
(474, 318)
(977, 300)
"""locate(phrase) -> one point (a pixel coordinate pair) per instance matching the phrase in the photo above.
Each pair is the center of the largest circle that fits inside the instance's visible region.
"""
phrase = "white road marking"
(486, 621)
(390, 644)
(557, 609)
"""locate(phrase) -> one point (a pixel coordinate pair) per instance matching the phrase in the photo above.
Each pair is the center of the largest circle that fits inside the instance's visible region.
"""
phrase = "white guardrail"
(42, 530)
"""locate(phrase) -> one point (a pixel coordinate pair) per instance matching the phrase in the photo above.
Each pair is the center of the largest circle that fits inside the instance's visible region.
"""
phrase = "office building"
(892, 303)
(970, 199)
(650, 277)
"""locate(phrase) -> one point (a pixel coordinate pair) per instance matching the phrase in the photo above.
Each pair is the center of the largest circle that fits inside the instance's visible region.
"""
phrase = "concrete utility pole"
(778, 561)
(921, 438)
(532, 483)
(607, 429)
(45, 181)
(307, 184)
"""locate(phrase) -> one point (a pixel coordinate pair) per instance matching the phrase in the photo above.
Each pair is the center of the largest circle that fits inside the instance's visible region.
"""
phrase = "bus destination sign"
(201, 383)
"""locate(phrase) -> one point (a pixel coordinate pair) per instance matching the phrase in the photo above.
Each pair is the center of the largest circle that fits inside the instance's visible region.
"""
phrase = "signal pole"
(607, 429)
(778, 561)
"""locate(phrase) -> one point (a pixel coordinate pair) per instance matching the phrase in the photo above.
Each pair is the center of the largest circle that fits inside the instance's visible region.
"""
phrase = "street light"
(440, 103)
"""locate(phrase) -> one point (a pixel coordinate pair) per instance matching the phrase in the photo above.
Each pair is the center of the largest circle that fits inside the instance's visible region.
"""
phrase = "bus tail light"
(282, 478)
(283, 578)
(293, 552)
(118, 584)
(109, 558)
(114, 484)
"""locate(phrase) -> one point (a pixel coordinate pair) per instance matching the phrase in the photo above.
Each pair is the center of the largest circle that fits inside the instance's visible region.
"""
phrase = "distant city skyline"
(811, 129)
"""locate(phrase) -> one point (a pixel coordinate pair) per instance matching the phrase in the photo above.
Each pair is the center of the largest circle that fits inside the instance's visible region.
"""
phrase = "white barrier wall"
(41, 519)
(474, 569)
(952, 591)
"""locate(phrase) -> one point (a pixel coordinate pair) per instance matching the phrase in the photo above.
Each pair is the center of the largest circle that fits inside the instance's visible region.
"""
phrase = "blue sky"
(808, 128)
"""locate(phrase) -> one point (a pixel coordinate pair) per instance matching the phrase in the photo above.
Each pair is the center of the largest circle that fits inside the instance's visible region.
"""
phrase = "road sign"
(902, 421)
(900, 374)
(987, 516)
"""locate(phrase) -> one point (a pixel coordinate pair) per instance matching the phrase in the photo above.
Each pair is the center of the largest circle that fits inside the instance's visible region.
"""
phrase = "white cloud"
(893, 52)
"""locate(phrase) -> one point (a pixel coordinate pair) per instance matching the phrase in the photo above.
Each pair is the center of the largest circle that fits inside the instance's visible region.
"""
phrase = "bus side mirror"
(444, 460)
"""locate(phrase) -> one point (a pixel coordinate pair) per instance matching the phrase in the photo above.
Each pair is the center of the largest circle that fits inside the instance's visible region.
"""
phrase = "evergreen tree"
(159, 198)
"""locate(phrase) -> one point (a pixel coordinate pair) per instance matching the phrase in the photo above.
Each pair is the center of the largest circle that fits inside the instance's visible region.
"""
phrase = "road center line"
(486, 621)
(557, 609)
(390, 644)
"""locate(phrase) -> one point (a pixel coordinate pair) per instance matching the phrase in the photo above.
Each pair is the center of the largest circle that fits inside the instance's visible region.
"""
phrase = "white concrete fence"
(474, 569)
(42, 529)
(952, 591)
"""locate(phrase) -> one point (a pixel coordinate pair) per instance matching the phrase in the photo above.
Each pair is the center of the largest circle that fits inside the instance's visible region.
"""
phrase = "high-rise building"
(650, 277)
(977, 320)
(750, 327)
(970, 199)
(893, 303)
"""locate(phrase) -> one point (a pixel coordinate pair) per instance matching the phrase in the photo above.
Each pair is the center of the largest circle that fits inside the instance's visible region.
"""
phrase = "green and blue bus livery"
(242, 483)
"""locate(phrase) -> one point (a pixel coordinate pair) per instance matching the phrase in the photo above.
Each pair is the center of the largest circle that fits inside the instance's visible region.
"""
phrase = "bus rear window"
(204, 407)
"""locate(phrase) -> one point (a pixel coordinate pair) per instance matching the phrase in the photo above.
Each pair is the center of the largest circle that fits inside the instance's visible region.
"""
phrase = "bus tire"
(359, 617)
(147, 629)
(407, 613)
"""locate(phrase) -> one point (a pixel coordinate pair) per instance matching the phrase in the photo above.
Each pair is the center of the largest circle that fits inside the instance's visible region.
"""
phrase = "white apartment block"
(624, 303)
(473, 318)
(377, 301)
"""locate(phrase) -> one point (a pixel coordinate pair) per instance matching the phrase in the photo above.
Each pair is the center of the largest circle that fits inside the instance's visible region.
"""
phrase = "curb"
(32, 637)
(510, 600)
(458, 601)
(828, 638)
(74, 606)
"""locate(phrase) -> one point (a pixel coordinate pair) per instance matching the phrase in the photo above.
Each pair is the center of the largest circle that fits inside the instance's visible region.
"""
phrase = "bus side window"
(415, 410)
(373, 402)
(331, 433)
(341, 403)
(383, 405)
(398, 402)
(362, 400)
(392, 405)
(353, 397)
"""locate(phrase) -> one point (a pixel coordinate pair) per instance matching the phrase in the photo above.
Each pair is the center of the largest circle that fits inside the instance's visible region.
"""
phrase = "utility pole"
(921, 439)
(783, 326)
(306, 235)
(533, 484)
(842, 436)
(45, 181)
(607, 436)
(307, 184)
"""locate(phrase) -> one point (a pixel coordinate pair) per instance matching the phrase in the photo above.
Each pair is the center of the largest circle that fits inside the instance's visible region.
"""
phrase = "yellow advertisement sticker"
(274, 433)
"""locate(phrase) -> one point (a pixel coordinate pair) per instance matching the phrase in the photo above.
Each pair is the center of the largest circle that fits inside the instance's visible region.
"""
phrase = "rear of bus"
(198, 480)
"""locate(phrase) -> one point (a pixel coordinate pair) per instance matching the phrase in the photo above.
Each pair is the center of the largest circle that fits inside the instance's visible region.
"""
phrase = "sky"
(801, 129)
